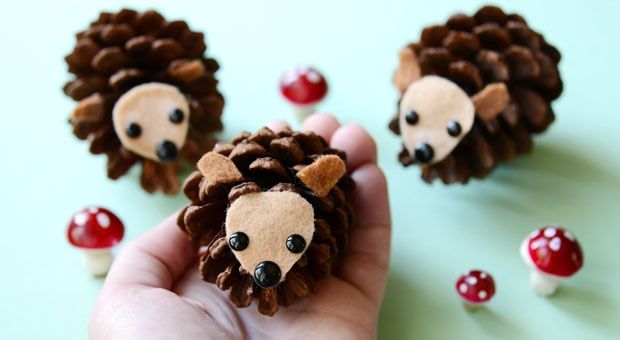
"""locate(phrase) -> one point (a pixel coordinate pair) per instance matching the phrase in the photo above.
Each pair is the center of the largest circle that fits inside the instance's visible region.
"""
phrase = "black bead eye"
(295, 244)
(239, 241)
(454, 128)
(133, 130)
(176, 116)
(412, 117)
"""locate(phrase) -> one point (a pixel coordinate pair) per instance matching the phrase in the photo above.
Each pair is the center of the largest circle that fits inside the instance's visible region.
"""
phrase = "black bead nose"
(267, 274)
(166, 151)
(423, 152)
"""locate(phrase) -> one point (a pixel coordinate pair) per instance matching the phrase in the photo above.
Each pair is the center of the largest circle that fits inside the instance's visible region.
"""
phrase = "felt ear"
(408, 69)
(89, 109)
(218, 169)
(323, 174)
(492, 100)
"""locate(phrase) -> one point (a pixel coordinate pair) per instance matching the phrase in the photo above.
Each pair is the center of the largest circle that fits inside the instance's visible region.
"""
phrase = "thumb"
(155, 259)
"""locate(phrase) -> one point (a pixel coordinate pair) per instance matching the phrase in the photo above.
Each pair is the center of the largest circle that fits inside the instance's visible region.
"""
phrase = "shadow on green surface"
(494, 324)
(552, 184)
(399, 295)
(562, 163)
(588, 305)
(402, 296)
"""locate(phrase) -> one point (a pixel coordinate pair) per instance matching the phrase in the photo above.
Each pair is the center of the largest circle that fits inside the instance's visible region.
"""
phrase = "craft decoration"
(554, 254)
(475, 288)
(473, 92)
(273, 210)
(304, 87)
(95, 231)
(146, 94)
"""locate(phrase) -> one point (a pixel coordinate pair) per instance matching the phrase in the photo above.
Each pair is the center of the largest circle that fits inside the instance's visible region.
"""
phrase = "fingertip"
(323, 124)
(278, 125)
(357, 143)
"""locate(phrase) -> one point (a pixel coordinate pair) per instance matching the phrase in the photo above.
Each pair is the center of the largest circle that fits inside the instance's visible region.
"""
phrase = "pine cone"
(268, 162)
(120, 51)
(509, 71)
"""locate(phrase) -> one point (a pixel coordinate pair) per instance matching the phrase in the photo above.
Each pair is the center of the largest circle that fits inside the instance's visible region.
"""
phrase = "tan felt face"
(269, 219)
(435, 114)
(152, 120)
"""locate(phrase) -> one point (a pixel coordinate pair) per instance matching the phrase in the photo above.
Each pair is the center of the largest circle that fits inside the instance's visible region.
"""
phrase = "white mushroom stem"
(472, 307)
(542, 283)
(303, 111)
(98, 262)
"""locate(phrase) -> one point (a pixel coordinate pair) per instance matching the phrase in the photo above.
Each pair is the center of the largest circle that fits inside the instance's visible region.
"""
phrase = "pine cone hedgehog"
(274, 211)
(473, 91)
(146, 94)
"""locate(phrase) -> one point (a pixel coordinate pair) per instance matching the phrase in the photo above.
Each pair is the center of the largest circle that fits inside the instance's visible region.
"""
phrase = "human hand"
(154, 291)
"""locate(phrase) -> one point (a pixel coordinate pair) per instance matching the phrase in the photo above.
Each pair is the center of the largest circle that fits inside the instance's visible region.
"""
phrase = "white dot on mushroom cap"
(80, 218)
(472, 280)
(463, 288)
(482, 295)
(313, 77)
(534, 233)
(538, 243)
(104, 220)
(289, 78)
(549, 232)
(555, 244)
(483, 275)
(569, 235)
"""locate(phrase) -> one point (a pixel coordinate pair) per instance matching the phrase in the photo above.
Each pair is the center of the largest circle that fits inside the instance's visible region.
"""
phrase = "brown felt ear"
(492, 100)
(408, 69)
(218, 169)
(89, 109)
(323, 174)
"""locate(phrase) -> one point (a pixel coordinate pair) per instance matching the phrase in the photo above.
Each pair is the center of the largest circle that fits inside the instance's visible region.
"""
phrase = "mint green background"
(572, 178)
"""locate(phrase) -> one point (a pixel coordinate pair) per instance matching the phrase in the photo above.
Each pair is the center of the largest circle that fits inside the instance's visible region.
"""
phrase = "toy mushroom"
(476, 288)
(95, 231)
(304, 87)
(554, 254)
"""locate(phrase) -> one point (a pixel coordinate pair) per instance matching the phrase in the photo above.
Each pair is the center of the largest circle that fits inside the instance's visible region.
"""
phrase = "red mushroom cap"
(95, 228)
(476, 287)
(303, 85)
(553, 250)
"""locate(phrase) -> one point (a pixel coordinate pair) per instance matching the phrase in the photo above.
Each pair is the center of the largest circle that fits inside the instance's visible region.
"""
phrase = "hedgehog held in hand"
(473, 91)
(146, 94)
(273, 210)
